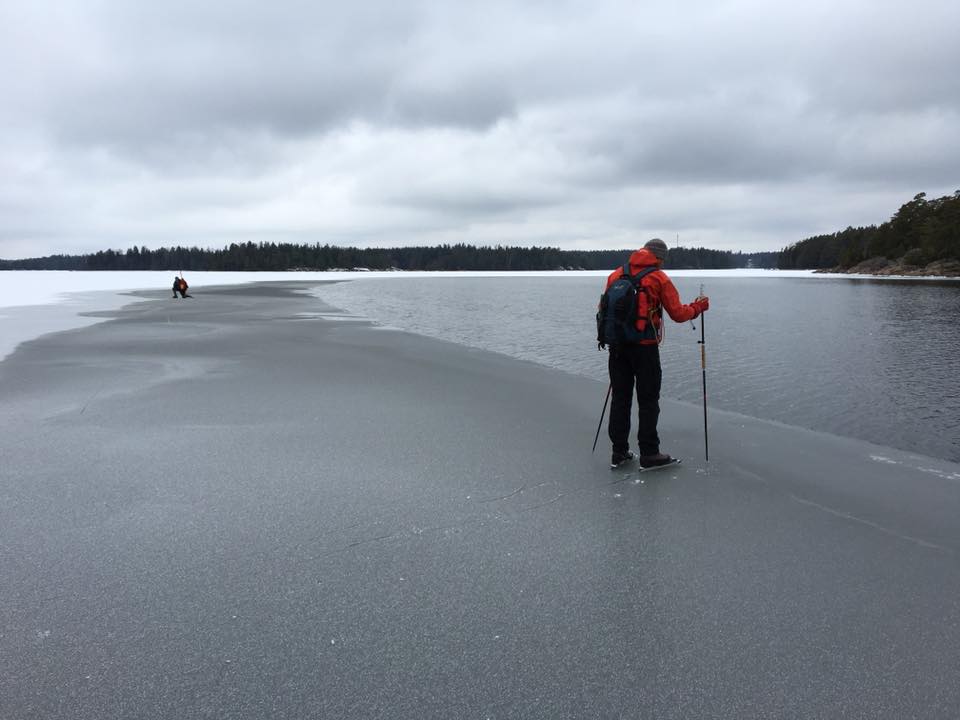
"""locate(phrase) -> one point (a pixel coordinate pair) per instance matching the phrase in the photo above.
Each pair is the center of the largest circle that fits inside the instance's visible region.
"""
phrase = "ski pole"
(703, 368)
(602, 413)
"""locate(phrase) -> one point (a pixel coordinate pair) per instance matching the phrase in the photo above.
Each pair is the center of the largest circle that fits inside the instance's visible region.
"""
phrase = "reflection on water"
(869, 359)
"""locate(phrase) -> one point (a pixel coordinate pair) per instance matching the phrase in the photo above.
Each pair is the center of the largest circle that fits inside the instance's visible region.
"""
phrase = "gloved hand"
(701, 305)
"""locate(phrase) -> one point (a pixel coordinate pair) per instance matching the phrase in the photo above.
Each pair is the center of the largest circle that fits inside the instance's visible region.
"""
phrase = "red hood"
(642, 258)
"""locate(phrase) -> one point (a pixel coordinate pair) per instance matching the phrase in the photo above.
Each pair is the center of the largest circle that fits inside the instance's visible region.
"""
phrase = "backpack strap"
(650, 328)
(640, 275)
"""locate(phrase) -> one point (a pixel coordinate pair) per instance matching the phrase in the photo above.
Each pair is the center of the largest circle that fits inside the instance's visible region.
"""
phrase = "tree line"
(921, 232)
(280, 257)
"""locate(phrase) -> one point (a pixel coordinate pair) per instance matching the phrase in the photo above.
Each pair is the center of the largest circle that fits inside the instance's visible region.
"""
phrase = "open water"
(865, 358)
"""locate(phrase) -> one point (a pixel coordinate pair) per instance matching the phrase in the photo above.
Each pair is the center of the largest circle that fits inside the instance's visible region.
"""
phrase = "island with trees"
(921, 239)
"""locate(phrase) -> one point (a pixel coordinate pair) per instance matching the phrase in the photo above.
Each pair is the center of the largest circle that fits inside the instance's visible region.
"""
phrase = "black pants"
(635, 365)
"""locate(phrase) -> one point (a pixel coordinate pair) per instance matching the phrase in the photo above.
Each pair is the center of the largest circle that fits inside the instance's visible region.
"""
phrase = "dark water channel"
(865, 358)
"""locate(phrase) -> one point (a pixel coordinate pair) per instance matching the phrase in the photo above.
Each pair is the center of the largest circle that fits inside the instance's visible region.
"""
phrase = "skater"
(633, 337)
(180, 286)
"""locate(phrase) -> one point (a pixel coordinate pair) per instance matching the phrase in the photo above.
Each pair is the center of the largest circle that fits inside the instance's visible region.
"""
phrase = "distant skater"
(180, 286)
(633, 336)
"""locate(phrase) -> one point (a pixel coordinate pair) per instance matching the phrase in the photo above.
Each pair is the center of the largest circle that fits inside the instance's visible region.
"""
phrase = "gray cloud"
(735, 124)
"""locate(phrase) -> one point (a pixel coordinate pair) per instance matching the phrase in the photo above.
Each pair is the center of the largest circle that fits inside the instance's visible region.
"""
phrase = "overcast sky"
(744, 125)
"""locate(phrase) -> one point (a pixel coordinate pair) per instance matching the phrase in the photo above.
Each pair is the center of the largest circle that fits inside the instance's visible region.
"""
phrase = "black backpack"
(617, 313)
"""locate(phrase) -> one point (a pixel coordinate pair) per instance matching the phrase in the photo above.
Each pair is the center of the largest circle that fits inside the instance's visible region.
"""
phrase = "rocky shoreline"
(884, 267)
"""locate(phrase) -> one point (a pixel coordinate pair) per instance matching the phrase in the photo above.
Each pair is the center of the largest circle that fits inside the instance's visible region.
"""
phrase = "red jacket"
(660, 290)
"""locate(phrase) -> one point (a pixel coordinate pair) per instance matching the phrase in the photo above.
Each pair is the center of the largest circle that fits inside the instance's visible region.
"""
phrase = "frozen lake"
(859, 357)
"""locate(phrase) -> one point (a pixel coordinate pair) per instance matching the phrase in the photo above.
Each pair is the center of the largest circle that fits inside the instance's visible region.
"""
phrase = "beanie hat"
(658, 247)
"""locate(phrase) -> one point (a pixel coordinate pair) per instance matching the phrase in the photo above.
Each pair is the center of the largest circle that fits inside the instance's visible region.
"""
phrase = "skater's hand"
(701, 304)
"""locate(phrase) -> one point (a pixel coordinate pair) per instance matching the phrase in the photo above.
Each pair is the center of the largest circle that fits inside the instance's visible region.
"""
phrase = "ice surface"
(167, 513)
